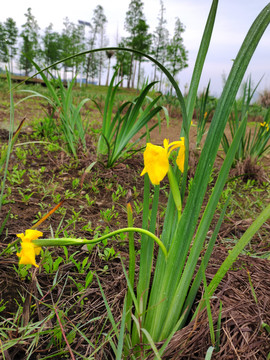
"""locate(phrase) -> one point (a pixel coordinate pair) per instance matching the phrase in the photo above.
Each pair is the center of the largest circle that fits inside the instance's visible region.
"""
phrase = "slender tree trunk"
(139, 74)
(155, 72)
(87, 70)
(130, 71)
(155, 67)
(134, 72)
(73, 72)
(122, 76)
(65, 73)
(160, 81)
(108, 72)
(99, 73)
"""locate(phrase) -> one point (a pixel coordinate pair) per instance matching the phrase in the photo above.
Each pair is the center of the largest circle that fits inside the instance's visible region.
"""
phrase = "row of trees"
(51, 46)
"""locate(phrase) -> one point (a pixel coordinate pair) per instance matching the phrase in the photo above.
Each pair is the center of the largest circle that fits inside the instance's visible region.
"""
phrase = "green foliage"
(123, 60)
(138, 39)
(61, 100)
(6, 152)
(203, 111)
(141, 42)
(51, 46)
(254, 143)
(164, 306)
(177, 55)
(30, 44)
(72, 42)
(3, 45)
(11, 39)
(160, 41)
(94, 63)
(8, 39)
(99, 21)
(118, 129)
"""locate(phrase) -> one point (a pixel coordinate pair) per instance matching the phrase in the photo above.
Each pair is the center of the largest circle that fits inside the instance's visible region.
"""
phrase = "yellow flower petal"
(176, 144)
(156, 159)
(265, 125)
(180, 161)
(30, 235)
(156, 162)
(33, 234)
(29, 250)
(37, 249)
(20, 235)
(27, 254)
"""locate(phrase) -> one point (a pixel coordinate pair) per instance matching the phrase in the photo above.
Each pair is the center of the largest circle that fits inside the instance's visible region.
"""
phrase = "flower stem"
(72, 241)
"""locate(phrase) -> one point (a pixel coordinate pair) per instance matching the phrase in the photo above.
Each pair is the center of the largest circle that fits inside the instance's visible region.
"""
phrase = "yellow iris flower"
(265, 125)
(156, 159)
(29, 250)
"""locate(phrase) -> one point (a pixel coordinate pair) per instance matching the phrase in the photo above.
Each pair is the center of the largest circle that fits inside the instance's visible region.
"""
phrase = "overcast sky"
(234, 18)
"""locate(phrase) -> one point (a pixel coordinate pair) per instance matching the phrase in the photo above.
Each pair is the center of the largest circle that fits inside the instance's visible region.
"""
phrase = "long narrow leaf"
(121, 333)
(196, 75)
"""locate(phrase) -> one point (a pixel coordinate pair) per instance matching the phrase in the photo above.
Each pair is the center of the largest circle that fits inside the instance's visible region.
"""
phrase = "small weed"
(119, 192)
(49, 264)
(138, 206)
(108, 254)
(109, 214)
(21, 154)
(25, 197)
(89, 201)
(15, 177)
(23, 271)
(75, 183)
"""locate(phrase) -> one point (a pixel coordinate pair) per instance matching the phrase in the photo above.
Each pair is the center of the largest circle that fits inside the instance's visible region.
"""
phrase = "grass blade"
(121, 333)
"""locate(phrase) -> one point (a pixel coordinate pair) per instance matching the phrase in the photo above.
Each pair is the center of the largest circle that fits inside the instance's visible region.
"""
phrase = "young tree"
(30, 46)
(51, 46)
(11, 35)
(177, 54)
(134, 23)
(95, 61)
(66, 45)
(141, 42)
(99, 21)
(91, 62)
(160, 41)
(78, 40)
(72, 42)
(3, 45)
(123, 60)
